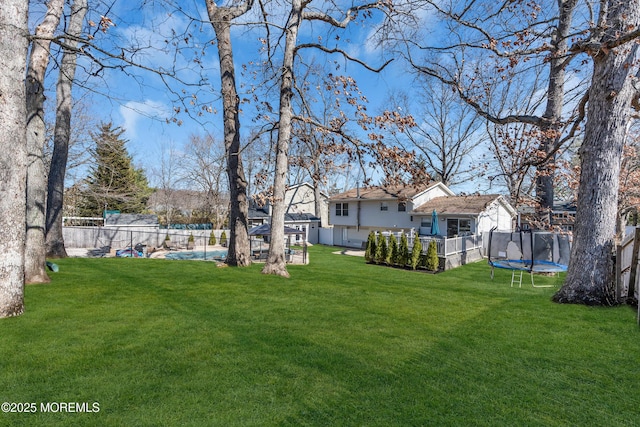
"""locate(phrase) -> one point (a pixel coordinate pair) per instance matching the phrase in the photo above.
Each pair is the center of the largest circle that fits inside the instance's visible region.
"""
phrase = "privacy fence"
(627, 268)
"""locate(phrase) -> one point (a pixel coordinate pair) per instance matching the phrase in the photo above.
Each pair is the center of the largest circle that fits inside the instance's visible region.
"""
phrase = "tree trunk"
(276, 263)
(13, 156)
(35, 250)
(62, 135)
(590, 275)
(239, 250)
(552, 118)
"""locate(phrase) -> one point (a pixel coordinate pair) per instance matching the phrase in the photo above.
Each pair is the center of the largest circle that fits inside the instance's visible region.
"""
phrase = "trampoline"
(528, 251)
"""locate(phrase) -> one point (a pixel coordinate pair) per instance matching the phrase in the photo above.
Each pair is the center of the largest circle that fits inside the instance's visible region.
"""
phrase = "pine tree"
(113, 182)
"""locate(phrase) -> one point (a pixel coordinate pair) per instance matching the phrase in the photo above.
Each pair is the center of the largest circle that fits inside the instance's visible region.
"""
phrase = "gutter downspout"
(358, 207)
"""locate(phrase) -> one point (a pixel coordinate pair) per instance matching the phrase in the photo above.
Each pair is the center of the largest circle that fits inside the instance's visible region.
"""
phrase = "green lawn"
(340, 343)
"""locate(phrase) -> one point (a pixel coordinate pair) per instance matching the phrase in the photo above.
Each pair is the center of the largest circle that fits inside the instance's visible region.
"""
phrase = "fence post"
(618, 273)
(634, 266)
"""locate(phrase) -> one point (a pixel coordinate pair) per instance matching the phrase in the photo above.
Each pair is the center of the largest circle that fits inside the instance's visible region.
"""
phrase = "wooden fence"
(627, 269)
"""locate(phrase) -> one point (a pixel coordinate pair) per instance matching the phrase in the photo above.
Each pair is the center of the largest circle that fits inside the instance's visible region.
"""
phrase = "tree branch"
(344, 54)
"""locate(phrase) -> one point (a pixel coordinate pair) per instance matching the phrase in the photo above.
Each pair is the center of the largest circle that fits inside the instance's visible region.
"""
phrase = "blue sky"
(141, 103)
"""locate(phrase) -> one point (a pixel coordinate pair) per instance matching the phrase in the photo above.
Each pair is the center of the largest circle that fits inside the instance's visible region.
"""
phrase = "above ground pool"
(198, 255)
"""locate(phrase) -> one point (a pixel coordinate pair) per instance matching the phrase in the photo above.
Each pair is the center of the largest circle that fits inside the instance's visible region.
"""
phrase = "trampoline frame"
(522, 265)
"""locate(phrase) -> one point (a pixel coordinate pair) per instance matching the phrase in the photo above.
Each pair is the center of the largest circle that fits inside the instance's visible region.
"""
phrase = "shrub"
(403, 256)
(416, 252)
(381, 249)
(393, 251)
(212, 239)
(370, 253)
(191, 238)
(223, 238)
(431, 261)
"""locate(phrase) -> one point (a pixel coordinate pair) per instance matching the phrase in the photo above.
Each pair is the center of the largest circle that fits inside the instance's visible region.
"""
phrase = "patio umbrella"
(435, 230)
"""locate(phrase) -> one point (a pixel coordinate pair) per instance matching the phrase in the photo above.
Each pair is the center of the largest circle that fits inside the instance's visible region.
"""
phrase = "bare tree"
(167, 178)
(612, 45)
(62, 135)
(35, 257)
(14, 36)
(446, 135)
(297, 13)
(221, 18)
(203, 167)
(507, 38)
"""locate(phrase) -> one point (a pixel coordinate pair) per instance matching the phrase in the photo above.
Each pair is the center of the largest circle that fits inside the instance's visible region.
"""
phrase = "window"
(426, 222)
(384, 206)
(342, 209)
(458, 227)
(464, 227)
(402, 207)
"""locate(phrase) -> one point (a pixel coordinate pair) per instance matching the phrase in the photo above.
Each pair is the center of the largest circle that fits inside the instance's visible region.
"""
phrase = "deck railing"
(445, 245)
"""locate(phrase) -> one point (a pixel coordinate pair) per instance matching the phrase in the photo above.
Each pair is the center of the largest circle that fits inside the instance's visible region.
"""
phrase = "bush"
(212, 239)
(223, 238)
(432, 262)
(370, 253)
(191, 238)
(416, 252)
(403, 255)
(392, 258)
(381, 249)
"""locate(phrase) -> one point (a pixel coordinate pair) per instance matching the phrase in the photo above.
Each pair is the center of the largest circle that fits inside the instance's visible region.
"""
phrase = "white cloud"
(133, 112)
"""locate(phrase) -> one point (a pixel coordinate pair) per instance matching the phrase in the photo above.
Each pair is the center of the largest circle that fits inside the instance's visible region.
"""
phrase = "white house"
(301, 211)
(357, 212)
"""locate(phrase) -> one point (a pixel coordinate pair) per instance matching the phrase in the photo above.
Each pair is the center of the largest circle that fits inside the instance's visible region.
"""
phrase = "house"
(407, 209)
(358, 211)
(466, 215)
(300, 214)
(562, 216)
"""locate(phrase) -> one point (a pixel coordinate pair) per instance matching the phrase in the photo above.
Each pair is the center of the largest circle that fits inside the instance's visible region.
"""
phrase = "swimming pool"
(198, 255)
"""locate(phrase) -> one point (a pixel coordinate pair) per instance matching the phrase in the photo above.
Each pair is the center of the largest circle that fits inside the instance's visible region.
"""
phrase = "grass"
(165, 343)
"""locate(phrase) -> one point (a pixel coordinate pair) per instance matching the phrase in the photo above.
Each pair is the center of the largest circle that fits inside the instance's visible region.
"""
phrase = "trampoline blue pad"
(525, 265)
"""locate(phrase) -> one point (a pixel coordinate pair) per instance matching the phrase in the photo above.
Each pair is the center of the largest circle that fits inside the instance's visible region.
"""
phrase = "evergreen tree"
(403, 251)
(381, 249)
(113, 182)
(416, 252)
(393, 250)
(432, 262)
(370, 253)
(212, 238)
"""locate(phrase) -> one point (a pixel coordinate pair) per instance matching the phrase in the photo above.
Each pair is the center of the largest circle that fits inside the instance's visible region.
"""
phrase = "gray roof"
(457, 204)
(257, 213)
(398, 192)
(300, 217)
(265, 229)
